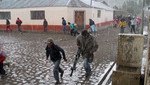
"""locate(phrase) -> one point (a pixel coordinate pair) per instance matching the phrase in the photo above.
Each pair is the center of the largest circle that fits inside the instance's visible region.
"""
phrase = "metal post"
(147, 70)
(142, 17)
(91, 3)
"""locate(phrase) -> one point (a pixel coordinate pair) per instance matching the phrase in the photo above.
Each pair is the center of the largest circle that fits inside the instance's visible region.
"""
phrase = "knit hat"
(49, 40)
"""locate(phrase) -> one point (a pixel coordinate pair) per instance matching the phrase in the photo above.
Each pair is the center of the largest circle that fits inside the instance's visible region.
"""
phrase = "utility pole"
(143, 16)
(91, 3)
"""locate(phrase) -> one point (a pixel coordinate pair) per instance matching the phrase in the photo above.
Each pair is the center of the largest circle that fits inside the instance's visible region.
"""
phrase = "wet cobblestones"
(26, 53)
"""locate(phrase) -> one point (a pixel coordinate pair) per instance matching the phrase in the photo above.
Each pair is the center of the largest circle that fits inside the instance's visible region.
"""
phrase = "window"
(38, 15)
(5, 15)
(99, 13)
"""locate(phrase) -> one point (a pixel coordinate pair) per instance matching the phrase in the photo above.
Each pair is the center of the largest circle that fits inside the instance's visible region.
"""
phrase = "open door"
(79, 19)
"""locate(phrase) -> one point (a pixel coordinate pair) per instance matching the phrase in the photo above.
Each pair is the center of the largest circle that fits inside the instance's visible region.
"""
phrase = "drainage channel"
(106, 77)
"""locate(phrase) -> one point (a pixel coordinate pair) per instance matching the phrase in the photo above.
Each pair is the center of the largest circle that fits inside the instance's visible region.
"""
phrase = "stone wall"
(129, 60)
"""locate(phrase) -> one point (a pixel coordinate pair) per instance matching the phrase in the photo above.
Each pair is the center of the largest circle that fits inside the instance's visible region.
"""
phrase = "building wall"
(87, 14)
(106, 17)
(54, 17)
(54, 21)
(24, 15)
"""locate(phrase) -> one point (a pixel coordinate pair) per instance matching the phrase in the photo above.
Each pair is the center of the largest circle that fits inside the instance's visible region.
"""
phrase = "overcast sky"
(114, 2)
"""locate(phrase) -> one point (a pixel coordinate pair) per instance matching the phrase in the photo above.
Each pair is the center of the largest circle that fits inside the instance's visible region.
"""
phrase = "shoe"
(88, 74)
(57, 83)
(61, 75)
(8, 64)
(4, 75)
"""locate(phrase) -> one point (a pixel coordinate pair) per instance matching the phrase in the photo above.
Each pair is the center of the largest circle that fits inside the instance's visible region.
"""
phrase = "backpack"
(2, 56)
(2, 53)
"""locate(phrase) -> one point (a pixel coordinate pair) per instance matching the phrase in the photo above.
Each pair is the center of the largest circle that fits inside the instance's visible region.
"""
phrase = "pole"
(142, 17)
(91, 3)
(147, 70)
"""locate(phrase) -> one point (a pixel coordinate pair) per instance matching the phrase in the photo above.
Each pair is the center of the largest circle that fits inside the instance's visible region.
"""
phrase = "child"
(2, 59)
(72, 29)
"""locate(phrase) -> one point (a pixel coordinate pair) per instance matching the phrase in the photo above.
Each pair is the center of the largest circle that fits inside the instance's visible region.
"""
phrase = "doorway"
(79, 19)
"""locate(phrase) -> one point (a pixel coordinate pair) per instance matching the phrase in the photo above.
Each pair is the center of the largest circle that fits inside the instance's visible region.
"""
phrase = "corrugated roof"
(77, 3)
(98, 5)
(101, 5)
(4, 4)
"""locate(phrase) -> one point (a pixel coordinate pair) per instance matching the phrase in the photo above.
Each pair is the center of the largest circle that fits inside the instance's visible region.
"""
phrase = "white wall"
(52, 14)
(105, 15)
(91, 13)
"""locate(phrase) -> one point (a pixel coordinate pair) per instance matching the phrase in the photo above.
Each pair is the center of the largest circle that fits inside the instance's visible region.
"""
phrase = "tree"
(124, 6)
(132, 6)
(147, 2)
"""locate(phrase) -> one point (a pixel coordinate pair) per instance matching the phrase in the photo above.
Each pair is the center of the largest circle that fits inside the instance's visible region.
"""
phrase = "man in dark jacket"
(64, 24)
(45, 25)
(19, 22)
(53, 51)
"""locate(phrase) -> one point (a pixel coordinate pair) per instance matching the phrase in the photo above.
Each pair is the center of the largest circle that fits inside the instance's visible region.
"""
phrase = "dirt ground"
(26, 53)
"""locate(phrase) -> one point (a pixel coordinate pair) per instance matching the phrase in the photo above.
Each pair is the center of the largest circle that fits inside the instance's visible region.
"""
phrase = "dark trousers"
(132, 28)
(7, 27)
(45, 28)
(19, 29)
(57, 70)
(2, 71)
(72, 32)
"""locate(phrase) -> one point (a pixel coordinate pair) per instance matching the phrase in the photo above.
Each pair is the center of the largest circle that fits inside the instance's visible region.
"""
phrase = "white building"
(33, 12)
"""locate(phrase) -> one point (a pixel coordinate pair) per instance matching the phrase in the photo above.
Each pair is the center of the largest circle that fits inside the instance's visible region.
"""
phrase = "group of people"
(18, 22)
(132, 22)
(74, 27)
(85, 42)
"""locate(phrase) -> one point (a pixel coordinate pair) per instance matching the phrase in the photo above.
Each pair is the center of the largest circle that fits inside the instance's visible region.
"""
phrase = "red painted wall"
(49, 28)
(100, 24)
(35, 27)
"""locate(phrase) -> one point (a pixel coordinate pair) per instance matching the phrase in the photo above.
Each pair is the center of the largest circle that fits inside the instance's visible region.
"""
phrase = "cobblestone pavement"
(26, 53)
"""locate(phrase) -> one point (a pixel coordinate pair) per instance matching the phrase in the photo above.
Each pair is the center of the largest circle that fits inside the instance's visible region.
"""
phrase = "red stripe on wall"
(100, 24)
(49, 28)
(35, 27)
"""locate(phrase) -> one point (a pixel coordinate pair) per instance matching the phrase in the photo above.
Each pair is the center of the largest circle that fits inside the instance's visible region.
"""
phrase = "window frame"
(5, 15)
(37, 14)
(98, 13)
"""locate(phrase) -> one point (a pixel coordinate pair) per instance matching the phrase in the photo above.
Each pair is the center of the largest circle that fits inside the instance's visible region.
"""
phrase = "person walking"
(122, 25)
(53, 51)
(76, 29)
(92, 25)
(129, 21)
(45, 23)
(64, 25)
(7, 25)
(133, 23)
(71, 29)
(19, 22)
(115, 22)
(88, 45)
